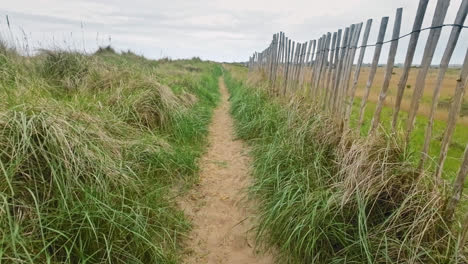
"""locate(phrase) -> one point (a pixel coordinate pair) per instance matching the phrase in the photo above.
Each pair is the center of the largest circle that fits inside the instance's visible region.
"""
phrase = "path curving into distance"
(218, 207)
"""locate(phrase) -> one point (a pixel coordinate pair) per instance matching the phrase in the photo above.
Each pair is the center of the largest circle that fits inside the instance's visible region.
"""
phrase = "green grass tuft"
(91, 148)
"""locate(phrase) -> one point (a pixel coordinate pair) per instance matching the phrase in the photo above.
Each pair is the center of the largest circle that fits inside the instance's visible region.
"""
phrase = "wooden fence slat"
(307, 60)
(280, 50)
(303, 62)
(308, 53)
(358, 70)
(431, 44)
(314, 42)
(325, 60)
(352, 55)
(293, 46)
(339, 69)
(352, 35)
(345, 65)
(285, 58)
(317, 61)
(388, 70)
(312, 53)
(315, 66)
(286, 72)
(293, 69)
(282, 60)
(452, 42)
(298, 64)
(270, 59)
(311, 61)
(275, 61)
(278, 59)
(373, 70)
(323, 67)
(320, 67)
(453, 116)
(409, 59)
(334, 75)
(330, 68)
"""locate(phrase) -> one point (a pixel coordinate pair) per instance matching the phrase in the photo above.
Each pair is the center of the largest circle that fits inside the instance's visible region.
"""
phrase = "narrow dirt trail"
(220, 213)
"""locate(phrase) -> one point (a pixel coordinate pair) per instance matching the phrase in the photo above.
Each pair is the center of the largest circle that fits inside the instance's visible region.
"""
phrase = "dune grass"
(91, 146)
(324, 198)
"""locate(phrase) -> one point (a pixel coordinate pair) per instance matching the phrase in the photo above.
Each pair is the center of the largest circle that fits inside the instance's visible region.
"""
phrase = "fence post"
(388, 71)
(296, 60)
(409, 59)
(375, 61)
(357, 71)
(339, 69)
(286, 72)
(299, 65)
(307, 62)
(301, 68)
(315, 66)
(347, 52)
(330, 68)
(434, 34)
(323, 68)
(291, 65)
(352, 55)
(333, 91)
(452, 42)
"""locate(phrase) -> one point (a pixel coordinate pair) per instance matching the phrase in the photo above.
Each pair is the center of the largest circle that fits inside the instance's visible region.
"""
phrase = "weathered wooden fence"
(324, 71)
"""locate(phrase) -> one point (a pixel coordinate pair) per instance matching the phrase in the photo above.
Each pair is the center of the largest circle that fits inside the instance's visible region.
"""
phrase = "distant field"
(447, 91)
(460, 137)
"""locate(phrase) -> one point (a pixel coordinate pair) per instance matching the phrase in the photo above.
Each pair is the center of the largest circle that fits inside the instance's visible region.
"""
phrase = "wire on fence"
(329, 72)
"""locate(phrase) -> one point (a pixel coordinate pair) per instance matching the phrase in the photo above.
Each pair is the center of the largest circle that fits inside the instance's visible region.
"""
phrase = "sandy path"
(220, 213)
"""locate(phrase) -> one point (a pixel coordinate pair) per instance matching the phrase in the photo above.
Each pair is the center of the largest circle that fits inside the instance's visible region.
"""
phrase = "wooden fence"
(325, 71)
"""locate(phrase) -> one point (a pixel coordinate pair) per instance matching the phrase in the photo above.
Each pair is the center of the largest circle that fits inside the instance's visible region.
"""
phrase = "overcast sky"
(216, 30)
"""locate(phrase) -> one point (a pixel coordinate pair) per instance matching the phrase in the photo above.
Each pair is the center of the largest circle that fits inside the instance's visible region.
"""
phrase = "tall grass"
(328, 198)
(90, 148)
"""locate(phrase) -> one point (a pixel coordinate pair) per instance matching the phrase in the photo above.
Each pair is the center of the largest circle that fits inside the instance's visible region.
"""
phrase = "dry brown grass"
(448, 87)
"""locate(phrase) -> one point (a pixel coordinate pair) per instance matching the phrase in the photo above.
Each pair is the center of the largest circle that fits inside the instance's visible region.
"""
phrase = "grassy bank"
(90, 148)
(328, 199)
